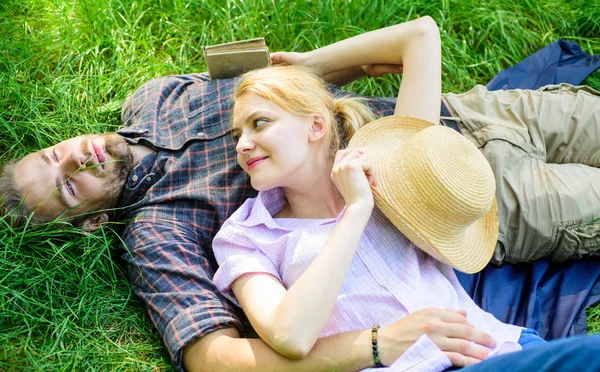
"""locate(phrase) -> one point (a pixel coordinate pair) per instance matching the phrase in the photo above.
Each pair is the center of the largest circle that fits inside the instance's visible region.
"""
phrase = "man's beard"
(119, 150)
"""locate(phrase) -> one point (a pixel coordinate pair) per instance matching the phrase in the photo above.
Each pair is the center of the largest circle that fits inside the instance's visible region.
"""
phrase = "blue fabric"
(530, 338)
(548, 297)
(560, 62)
(571, 354)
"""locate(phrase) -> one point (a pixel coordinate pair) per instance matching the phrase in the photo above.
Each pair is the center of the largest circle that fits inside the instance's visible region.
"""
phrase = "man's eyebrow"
(45, 156)
(61, 195)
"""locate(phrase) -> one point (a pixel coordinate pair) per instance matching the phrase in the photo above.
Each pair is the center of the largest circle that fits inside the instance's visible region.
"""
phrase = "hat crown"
(448, 175)
(436, 187)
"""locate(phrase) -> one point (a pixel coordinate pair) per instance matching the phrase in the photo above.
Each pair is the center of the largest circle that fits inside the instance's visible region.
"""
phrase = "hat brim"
(468, 249)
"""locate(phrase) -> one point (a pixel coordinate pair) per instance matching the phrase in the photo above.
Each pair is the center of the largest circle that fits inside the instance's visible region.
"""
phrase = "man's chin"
(117, 147)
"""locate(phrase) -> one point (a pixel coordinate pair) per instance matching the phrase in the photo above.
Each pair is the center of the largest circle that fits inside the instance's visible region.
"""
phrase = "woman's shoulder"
(259, 210)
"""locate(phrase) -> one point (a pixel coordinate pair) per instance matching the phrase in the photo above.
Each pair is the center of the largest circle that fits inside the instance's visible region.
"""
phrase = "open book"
(232, 59)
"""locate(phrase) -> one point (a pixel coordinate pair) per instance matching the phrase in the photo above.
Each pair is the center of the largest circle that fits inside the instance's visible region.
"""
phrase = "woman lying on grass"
(311, 256)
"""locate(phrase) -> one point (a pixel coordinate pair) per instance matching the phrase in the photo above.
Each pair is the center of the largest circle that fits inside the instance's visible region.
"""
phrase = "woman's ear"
(318, 129)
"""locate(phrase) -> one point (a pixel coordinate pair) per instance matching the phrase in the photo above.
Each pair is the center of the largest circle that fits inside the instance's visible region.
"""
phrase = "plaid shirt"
(176, 199)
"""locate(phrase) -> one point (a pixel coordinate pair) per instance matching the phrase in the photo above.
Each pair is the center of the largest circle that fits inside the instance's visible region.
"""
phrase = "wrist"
(374, 346)
(318, 61)
(360, 208)
(362, 352)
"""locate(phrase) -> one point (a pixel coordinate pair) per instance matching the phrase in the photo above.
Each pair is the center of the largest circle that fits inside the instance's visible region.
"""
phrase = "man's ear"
(318, 129)
(93, 222)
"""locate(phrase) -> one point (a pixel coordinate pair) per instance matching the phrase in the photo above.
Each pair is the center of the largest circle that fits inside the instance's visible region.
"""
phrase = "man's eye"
(54, 155)
(70, 188)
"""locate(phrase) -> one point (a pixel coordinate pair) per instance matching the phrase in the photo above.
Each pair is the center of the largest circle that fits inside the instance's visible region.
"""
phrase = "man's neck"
(139, 152)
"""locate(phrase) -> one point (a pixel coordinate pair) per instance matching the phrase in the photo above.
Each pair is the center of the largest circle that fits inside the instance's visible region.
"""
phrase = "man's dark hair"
(12, 202)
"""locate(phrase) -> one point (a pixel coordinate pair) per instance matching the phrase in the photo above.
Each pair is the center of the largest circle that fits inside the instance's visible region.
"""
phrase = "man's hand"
(447, 329)
(380, 70)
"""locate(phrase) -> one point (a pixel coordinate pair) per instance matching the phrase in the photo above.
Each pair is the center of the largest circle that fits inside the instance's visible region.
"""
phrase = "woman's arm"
(290, 320)
(224, 351)
(413, 47)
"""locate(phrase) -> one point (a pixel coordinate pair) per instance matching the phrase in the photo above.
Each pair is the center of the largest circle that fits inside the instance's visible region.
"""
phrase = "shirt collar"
(269, 203)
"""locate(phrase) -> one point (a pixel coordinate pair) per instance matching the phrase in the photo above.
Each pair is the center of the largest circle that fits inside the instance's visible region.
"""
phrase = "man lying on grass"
(173, 175)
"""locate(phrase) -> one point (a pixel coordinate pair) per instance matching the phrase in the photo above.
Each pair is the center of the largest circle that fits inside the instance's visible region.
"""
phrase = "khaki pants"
(544, 148)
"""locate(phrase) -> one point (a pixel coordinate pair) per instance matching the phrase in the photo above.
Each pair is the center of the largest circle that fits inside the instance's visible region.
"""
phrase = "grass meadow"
(66, 67)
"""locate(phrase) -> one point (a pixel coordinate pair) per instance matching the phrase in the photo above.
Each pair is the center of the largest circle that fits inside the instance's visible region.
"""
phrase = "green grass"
(67, 66)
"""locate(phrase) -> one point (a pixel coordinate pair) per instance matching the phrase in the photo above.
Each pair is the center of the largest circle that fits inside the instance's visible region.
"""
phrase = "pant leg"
(544, 210)
(569, 123)
(571, 354)
(534, 139)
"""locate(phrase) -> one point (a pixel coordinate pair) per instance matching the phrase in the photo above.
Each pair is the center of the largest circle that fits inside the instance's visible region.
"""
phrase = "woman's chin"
(262, 186)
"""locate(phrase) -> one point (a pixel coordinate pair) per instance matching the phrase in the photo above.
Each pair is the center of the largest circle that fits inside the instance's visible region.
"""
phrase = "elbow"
(292, 347)
(427, 28)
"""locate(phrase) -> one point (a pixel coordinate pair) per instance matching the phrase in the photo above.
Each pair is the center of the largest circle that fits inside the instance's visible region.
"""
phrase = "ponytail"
(350, 114)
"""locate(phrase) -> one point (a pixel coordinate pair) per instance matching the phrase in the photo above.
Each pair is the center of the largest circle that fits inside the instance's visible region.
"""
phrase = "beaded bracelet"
(374, 342)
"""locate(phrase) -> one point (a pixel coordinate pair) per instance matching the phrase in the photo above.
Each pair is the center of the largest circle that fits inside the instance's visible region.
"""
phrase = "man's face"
(79, 175)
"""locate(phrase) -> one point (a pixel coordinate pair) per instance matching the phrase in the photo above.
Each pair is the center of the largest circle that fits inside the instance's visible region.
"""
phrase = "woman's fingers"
(460, 360)
(343, 154)
(347, 156)
(288, 58)
(463, 346)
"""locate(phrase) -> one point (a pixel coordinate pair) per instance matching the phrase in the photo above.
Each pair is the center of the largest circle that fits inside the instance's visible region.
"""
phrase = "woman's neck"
(317, 199)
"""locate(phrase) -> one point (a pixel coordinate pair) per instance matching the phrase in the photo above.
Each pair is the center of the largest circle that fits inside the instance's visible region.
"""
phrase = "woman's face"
(273, 144)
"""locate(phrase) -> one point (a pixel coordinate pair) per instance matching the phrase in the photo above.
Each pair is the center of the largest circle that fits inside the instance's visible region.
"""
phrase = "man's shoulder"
(176, 83)
(161, 95)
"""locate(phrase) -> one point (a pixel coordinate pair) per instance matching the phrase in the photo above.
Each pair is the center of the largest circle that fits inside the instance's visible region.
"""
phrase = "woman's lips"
(253, 162)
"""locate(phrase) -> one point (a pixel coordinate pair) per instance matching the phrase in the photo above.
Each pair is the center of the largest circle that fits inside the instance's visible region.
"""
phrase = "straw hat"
(435, 187)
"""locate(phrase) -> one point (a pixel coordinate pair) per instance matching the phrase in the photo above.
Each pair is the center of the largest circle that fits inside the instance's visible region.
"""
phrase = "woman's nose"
(244, 144)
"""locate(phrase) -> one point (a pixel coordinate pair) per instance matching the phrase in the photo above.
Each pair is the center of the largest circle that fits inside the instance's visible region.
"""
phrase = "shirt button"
(134, 178)
(141, 131)
(201, 134)
(148, 179)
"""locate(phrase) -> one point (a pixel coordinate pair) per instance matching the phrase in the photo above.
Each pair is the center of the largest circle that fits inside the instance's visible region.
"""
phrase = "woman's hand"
(341, 77)
(289, 58)
(449, 330)
(353, 175)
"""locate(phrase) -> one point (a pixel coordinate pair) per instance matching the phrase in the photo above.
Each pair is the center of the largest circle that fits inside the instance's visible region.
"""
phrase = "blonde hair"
(300, 91)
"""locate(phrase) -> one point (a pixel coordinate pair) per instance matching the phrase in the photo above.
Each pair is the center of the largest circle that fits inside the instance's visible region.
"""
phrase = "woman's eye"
(259, 121)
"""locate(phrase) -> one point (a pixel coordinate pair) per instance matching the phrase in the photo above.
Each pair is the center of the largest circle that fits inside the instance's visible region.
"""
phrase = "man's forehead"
(33, 177)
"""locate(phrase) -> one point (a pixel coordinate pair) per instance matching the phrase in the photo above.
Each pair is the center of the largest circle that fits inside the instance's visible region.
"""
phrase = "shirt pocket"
(209, 108)
(575, 240)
